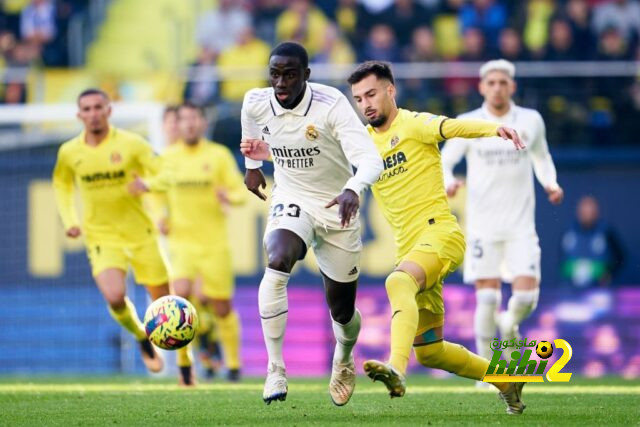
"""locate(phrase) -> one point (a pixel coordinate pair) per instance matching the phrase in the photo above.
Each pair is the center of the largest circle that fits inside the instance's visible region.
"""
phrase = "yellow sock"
(401, 290)
(228, 328)
(453, 358)
(184, 357)
(128, 318)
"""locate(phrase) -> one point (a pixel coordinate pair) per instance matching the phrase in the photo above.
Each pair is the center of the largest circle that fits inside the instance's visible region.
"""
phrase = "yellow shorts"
(445, 239)
(213, 266)
(144, 258)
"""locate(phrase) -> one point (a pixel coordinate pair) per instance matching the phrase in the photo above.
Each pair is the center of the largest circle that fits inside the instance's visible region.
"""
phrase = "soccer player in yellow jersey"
(104, 163)
(430, 245)
(205, 181)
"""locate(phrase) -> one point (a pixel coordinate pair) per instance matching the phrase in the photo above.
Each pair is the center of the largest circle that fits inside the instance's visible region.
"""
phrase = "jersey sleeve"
(250, 129)
(543, 165)
(357, 145)
(231, 178)
(452, 152)
(466, 128)
(63, 177)
(157, 173)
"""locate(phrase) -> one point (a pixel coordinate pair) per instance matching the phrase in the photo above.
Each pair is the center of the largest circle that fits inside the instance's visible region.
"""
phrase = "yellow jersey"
(101, 173)
(198, 173)
(410, 191)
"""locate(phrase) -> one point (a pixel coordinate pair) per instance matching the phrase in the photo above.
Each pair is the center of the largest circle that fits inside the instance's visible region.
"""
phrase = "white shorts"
(502, 259)
(337, 249)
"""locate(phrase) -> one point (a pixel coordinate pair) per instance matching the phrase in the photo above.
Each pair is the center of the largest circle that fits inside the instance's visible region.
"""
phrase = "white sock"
(485, 321)
(273, 307)
(520, 306)
(346, 337)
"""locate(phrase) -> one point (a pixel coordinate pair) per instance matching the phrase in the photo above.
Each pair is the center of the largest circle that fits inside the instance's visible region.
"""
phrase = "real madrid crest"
(116, 157)
(311, 133)
(394, 141)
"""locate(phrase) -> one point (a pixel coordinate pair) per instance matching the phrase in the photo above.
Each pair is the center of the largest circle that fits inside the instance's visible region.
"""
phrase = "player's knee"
(526, 299)
(342, 313)
(281, 259)
(400, 279)
(221, 308)
(116, 301)
(429, 355)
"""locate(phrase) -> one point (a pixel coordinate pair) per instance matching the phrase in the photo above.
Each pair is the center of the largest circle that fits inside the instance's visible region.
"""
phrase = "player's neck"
(392, 116)
(499, 111)
(94, 139)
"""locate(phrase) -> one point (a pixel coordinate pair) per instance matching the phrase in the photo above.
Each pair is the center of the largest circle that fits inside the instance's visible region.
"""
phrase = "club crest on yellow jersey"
(394, 141)
(311, 133)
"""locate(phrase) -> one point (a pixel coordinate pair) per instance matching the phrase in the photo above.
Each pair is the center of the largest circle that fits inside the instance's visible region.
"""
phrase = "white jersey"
(500, 194)
(312, 146)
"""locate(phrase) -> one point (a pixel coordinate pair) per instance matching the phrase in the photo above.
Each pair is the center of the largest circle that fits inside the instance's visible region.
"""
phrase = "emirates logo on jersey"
(311, 133)
(116, 158)
(394, 141)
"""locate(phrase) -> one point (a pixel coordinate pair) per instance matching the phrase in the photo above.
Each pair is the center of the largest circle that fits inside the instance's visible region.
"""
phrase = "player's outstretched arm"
(464, 128)
(543, 166)
(63, 187)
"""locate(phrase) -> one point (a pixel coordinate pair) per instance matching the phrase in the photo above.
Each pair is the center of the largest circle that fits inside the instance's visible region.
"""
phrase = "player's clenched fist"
(254, 179)
(348, 202)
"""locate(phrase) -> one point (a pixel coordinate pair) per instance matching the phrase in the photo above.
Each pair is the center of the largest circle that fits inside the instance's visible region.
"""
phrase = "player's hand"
(348, 202)
(137, 186)
(163, 226)
(223, 198)
(509, 133)
(555, 193)
(255, 149)
(452, 189)
(74, 232)
(254, 179)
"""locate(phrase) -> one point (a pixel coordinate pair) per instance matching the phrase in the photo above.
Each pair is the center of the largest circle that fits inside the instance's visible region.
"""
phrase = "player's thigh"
(183, 271)
(148, 266)
(430, 328)
(522, 258)
(338, 252)
(216, 272)
(104, 256)
(483, 259)
(285, 214)
(111, 284)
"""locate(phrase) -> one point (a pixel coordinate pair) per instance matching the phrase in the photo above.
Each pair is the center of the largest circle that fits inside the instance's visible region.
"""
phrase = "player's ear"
(391, 90)
(307, 73)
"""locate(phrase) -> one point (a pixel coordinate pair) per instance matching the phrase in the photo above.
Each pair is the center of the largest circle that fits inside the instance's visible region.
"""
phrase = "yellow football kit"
(198, 242)
(410, 191)
(117, 230)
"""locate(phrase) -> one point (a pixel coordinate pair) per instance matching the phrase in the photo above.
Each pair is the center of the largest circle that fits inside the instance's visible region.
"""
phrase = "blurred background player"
(170, 127)
(501, 237)
(104, 163)
(205, 181)
(314, 138)
(429, 242)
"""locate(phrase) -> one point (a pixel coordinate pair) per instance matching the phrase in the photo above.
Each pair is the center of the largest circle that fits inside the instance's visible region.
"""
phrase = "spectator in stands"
(242, 66)
(510, 46)
(19, 59)
(38, 22)
(612, 46)
(403, 16)
(422, 47)
(418, 93)
(489, 16)
(353, 20)
(218, 29)
(473, 45)
(335, 49)
(560, 47)
(201, 89)
(265, 14)
(591, 253)
(623, 15)
(538, 14)
(303, 23)
(578, 14)
(381, 45)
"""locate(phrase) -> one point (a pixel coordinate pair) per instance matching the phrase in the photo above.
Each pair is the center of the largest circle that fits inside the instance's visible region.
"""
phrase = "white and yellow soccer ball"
(171, 322)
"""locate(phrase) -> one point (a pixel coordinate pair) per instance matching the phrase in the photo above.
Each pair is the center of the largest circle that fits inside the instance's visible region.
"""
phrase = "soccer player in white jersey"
(313, 137)
(502, 243)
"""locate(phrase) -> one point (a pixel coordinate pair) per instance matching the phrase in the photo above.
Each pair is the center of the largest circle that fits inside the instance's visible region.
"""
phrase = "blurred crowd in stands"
(239, 33)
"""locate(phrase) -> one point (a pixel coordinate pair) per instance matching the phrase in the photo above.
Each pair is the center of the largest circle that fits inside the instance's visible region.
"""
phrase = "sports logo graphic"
(311, 133)
(394, 141)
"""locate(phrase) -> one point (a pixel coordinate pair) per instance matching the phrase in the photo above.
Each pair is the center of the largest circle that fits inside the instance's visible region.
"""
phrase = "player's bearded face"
(374, 99)
(287, 77)
(94, 111)
(191, 125)
(497, 88)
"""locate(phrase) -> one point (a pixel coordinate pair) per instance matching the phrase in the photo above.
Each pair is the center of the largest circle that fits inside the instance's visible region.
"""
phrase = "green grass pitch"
(141, 401)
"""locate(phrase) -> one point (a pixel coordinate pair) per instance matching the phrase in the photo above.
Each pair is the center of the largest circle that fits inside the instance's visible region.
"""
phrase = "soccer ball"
(171, 322)
(544, 349)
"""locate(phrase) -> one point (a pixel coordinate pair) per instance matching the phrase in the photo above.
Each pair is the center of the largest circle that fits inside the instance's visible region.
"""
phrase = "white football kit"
(313, 147)
(500, 208)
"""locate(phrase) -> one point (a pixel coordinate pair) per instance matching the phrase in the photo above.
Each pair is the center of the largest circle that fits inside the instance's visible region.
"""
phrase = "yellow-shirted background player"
(105, 164)
(205, 180)
(430, 244)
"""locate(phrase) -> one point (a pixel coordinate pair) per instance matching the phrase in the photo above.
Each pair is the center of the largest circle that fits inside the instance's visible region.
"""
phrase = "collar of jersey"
(300, 110)
(506, 118)
(110, 135)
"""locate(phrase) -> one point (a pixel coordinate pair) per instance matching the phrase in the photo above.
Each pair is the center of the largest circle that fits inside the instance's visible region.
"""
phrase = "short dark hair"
(192, 106)
(292, 49)
(169, 109)
(380, 69)
(93, 91)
